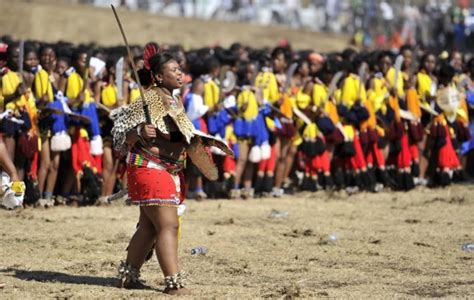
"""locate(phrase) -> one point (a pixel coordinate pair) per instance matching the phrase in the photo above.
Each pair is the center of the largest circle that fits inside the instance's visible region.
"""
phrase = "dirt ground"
(387, 245)
(53, 20)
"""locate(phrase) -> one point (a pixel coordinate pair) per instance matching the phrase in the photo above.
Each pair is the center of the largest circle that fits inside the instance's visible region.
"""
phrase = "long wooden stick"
(140, 87)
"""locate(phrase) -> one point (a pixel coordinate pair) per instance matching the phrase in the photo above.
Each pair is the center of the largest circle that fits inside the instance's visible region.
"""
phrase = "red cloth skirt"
(447, 156)
(357, 162)
(321, 163)
(34, 166)
(404, 156)
(375, 156)
(228, 166)
(268, 165)
(150, 186)
(415, 152)
(81, 154)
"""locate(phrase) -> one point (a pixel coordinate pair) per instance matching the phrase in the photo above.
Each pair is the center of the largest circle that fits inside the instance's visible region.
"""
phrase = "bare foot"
(177, 292)
(132, 285)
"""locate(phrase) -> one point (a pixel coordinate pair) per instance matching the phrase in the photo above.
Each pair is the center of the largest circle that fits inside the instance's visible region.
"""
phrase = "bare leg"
(21, 173)
(330, 150)
(423, 159)
(281, 162)
(53, 172)
(77, 185)
(11, 147)
(10, 144)
(241, 162)
(7, 163)
(141, 242)
(107, 171)
(165, 221)
(44, 165)
(113, 178)
(68, 182)
(290, 159)
(386, 152)
(248, 175)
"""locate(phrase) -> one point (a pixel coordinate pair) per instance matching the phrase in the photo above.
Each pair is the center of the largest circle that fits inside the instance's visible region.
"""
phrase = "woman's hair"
(280, 50)
(45, 47)
(158, 61)
(196, 65)
(300, 62)
(111, 61)
(405, 48)
(226, 57)
(348, 54)
(76, 55)
(242, 73)
(29, 49)
(424, 58)
(145, 77)
(446, 73)
(384, 54)
(212, 64)
(65, 59)
(10, 53)
(356, 62)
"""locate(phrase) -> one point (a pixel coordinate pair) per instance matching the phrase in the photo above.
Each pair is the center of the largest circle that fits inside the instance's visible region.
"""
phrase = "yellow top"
(268, 82)
(302, 100)
(390, 76)
(211, 93)
(134, 94)
(230, 136)
(75, 85)
(310, 132)
(42, 85)
(247, 97)
(350, 91)
(108, 95)
(25, 102)
(424, 85)
(320, 92)
(10, 82)
(377, 93)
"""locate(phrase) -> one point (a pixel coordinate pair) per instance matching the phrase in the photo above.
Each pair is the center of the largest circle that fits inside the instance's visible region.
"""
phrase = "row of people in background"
(436, 24)
(296, 120)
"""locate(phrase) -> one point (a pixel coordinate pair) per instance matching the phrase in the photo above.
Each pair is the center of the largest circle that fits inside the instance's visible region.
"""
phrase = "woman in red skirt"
(155, 160)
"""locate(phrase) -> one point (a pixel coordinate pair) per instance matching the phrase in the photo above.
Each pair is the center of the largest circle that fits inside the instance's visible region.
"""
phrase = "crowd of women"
(296, 120)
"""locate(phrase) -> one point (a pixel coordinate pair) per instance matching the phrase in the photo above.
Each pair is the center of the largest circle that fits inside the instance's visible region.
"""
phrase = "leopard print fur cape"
(128, 117)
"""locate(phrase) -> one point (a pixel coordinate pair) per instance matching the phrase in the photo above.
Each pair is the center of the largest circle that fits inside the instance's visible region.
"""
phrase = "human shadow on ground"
(49, 276)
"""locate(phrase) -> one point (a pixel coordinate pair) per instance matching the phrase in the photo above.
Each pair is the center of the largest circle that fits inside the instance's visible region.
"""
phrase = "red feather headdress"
(150, 50)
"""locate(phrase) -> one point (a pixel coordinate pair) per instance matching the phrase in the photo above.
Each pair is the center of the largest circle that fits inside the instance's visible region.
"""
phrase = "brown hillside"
(56, 20)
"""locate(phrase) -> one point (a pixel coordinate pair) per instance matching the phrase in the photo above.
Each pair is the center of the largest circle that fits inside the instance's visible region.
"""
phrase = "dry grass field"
(388, 245)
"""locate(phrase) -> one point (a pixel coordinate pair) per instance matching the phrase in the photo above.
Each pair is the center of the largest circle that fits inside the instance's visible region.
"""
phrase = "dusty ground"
(388, 245)
(52, 20)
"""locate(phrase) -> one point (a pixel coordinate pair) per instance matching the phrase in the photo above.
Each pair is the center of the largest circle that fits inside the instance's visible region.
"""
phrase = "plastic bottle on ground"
(199, 250)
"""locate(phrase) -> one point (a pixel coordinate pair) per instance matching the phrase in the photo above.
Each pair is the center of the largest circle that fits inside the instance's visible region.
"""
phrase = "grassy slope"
(54, 20)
